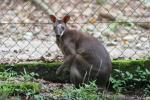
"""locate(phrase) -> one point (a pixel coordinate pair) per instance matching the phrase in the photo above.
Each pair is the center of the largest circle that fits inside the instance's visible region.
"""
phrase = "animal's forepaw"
(59, 70)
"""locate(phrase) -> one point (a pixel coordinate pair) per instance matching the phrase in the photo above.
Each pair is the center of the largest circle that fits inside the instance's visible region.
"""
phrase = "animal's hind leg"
(75, 75)
(78, 71)
(102, 82)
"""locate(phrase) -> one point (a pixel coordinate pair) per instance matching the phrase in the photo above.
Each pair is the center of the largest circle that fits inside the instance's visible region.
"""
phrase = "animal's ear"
(66, 18)
(53, 18)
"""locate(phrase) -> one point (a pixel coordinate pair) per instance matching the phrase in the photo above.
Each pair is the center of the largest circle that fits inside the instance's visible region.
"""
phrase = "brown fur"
(84, 56)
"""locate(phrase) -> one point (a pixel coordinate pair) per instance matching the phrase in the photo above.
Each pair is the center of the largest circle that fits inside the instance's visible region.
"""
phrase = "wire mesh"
(26, 32)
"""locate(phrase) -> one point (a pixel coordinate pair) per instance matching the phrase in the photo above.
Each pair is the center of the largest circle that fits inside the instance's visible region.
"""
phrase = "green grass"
(12, 83)
(23, 88)
(127, 75)
(85, 92)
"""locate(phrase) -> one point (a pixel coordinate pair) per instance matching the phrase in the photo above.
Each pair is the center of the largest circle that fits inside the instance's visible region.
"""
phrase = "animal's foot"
(59, 70)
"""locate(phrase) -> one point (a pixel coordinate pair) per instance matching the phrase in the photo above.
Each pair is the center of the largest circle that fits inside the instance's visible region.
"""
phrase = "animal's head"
(59, 25)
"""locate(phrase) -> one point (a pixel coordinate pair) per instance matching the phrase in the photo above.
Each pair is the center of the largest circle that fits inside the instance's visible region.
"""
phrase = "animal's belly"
(64, 50)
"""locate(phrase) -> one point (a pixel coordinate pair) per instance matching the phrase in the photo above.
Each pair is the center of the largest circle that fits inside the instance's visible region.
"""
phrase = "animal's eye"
(54, 27)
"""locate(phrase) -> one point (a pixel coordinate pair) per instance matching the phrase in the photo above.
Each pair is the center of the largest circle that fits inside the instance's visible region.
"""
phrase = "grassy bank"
(127, 76)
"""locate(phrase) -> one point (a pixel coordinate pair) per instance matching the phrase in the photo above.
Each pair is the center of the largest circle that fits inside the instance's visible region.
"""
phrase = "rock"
(147, 98)
(16, 20)
(143, 39)
(130, 37)
(28, 35)
(112, 44)
(139, 46)
(37, 30)
(147, 4)
(9, 42)
(23, 56)
(42, 37)
(1, 33)
(97, 34)
(147, 45)
(90, 27)
(26, 21)
(88, 12)
(15, 51)
(147, 14)
(13, 28)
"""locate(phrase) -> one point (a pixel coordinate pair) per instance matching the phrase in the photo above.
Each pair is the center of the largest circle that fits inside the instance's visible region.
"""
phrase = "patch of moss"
(29, 66)
(130, 65)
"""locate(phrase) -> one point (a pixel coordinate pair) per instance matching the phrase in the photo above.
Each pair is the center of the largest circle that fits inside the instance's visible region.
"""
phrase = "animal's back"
(92, 50)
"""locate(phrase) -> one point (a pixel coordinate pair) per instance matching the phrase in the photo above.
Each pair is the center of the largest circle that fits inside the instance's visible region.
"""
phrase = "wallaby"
(84, 56)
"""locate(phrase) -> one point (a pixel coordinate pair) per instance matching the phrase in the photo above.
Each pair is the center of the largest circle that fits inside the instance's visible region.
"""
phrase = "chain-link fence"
(26, 32)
